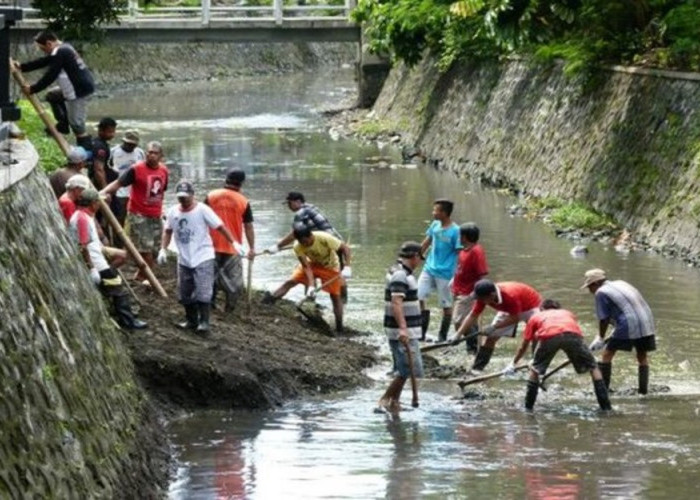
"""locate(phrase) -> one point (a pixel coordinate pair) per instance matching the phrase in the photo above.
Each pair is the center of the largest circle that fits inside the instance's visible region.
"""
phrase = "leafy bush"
(79, 19)
(50, 155)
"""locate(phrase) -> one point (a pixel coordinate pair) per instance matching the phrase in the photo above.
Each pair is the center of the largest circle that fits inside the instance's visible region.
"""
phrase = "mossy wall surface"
(73, 421)
(627, 145)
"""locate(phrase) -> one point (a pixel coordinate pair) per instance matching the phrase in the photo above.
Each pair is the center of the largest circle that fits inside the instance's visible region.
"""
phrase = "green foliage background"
(656, 33)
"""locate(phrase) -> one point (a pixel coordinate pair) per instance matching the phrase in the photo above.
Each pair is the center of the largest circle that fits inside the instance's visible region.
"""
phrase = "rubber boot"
(84, 142)
(344, 293)
(125, 316)
(643, 378)
(190, 322)
(204, 309)
(339, 325)
(231, 299)
(483, 356)
(601, 394)
(606, 371)
(531, 394)
(269, 299)
(444, 328)
(425, 322)
(472, 342)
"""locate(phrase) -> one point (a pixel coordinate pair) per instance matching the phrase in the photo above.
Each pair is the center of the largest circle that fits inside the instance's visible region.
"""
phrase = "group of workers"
(455, 267)
(209, 239)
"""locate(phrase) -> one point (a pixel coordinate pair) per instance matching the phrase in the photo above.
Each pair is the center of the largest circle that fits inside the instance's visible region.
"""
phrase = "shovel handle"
(414, 385)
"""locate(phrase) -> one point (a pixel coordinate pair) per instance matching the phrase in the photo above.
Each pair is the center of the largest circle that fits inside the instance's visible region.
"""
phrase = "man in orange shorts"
(317, 252)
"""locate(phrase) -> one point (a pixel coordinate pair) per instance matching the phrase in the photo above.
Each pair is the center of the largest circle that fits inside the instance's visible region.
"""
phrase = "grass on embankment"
(570, 215)
(50, 155)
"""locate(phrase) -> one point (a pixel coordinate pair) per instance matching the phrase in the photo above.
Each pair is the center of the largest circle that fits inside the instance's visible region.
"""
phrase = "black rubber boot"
(643, 378)
(606, 371)
(84, 142)
(269, 299)
(344, 293)
(339, 325)
(531, 394)
(191, 319)
(125, 316)
(472, 342)
(483, 356)
(425, 322)
(203, 326)
(601, 394)
(231, 300)
(444, 328)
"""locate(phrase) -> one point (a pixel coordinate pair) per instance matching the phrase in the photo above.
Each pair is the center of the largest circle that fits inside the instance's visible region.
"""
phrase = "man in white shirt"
(122, 157)
(189, 221)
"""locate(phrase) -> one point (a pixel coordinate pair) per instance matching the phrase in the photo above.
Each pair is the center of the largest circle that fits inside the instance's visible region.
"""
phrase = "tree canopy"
(658, 33)
(79, 19)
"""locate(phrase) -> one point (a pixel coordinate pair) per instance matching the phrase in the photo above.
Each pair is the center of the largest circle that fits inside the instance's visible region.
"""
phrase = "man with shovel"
(554, 329)
(402, 324)
(317, 252)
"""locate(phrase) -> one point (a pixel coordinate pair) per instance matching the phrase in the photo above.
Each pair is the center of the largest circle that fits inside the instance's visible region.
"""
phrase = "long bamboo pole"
(65, 147)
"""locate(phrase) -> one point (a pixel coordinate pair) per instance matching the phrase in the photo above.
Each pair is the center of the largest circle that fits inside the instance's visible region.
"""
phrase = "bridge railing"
(208, 13)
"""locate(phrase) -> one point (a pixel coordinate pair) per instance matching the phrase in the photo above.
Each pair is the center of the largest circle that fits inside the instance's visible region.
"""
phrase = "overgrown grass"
(578, 216)
(375, 127)
(50, 155)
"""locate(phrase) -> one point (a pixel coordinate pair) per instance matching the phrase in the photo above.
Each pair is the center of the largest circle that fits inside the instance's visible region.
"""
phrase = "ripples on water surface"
(338, 448)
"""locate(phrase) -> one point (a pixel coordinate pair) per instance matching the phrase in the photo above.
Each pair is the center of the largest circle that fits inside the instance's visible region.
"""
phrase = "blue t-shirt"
(442, 256)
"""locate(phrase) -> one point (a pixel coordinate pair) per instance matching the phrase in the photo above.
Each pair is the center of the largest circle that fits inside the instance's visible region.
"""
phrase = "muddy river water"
(478, 448)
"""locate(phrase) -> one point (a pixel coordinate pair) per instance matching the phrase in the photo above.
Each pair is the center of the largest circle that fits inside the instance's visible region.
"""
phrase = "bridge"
(324, 22)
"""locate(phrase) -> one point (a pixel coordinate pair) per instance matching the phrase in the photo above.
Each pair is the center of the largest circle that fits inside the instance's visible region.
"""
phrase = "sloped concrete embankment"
(626, 144)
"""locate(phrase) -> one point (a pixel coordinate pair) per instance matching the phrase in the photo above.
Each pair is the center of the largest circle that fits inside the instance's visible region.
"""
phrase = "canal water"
(335, 447)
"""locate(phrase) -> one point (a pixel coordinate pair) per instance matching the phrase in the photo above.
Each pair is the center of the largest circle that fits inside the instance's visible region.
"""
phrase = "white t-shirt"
(82, 227)
(191, 233)
(121, 161)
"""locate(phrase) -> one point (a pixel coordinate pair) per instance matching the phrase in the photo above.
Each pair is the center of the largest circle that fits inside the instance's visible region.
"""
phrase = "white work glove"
(273, 249)
(311, 294)
(95, 275)
(162, 256)
(346, 272)
(488, 330)
(238, 248)
(597, 344)
(509, 370)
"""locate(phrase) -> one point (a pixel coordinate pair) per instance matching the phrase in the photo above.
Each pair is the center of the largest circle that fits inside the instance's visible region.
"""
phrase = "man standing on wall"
(621, 304)
(190, 222)
(148, 180)
(234, 210)
(402, 322)
(471, 267)
(442, 244)
(75, 84)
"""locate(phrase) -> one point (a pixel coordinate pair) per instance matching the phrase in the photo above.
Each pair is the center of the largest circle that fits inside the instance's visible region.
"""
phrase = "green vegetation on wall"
(50, 155)
(658, 33)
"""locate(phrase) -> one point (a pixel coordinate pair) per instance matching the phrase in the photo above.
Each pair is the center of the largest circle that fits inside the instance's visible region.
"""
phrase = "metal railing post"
(206, 12)
(277, 11)
(133, 9)
(349, 5)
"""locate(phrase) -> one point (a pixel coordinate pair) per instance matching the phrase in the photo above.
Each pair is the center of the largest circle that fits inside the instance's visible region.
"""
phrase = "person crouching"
(554, 329)
(84, 230)
(190, 222)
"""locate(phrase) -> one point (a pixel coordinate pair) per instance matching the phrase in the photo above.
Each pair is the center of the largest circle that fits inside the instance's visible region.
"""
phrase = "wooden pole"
(483, 378)
(414, 385)
(65, 147)
(249, 286)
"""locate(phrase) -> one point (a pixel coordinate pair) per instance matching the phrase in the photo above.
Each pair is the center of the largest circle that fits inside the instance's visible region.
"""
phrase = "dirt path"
(246, 361)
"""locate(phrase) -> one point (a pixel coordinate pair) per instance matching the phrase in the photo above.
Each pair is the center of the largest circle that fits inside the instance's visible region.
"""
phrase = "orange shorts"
(322, 273)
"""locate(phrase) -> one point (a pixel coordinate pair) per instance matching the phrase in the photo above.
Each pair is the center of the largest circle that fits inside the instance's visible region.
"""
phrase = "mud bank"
(253, 360)
(626, 147)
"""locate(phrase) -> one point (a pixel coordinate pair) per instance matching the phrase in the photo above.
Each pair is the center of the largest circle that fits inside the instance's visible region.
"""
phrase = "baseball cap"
(592, 276)
(131, 136)
(184, 189)
(78, 181)
(76, 155)
(409, 249)
(484, 288)
(295, 195)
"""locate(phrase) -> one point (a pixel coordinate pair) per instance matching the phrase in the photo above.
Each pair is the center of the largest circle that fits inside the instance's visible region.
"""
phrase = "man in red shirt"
(74, 188)
(148, 180)
(514, 302)
(234, 210)
(471, 267)
(553, 329)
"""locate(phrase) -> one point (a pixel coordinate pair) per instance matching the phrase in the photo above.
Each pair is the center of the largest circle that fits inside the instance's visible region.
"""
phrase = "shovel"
(440, 345)
(483, 378)
(414, 385)
(314, 317)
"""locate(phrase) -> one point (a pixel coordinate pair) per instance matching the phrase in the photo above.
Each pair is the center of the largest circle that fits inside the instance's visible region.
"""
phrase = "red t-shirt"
(148, 187)
(471, 267)
(233, 209)
(67, 206)
(550, 323)
(515, 298)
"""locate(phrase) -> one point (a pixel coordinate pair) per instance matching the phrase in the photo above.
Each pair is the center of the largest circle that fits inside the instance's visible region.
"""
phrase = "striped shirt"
(313, 219)
(400, 281)
(623, 305)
